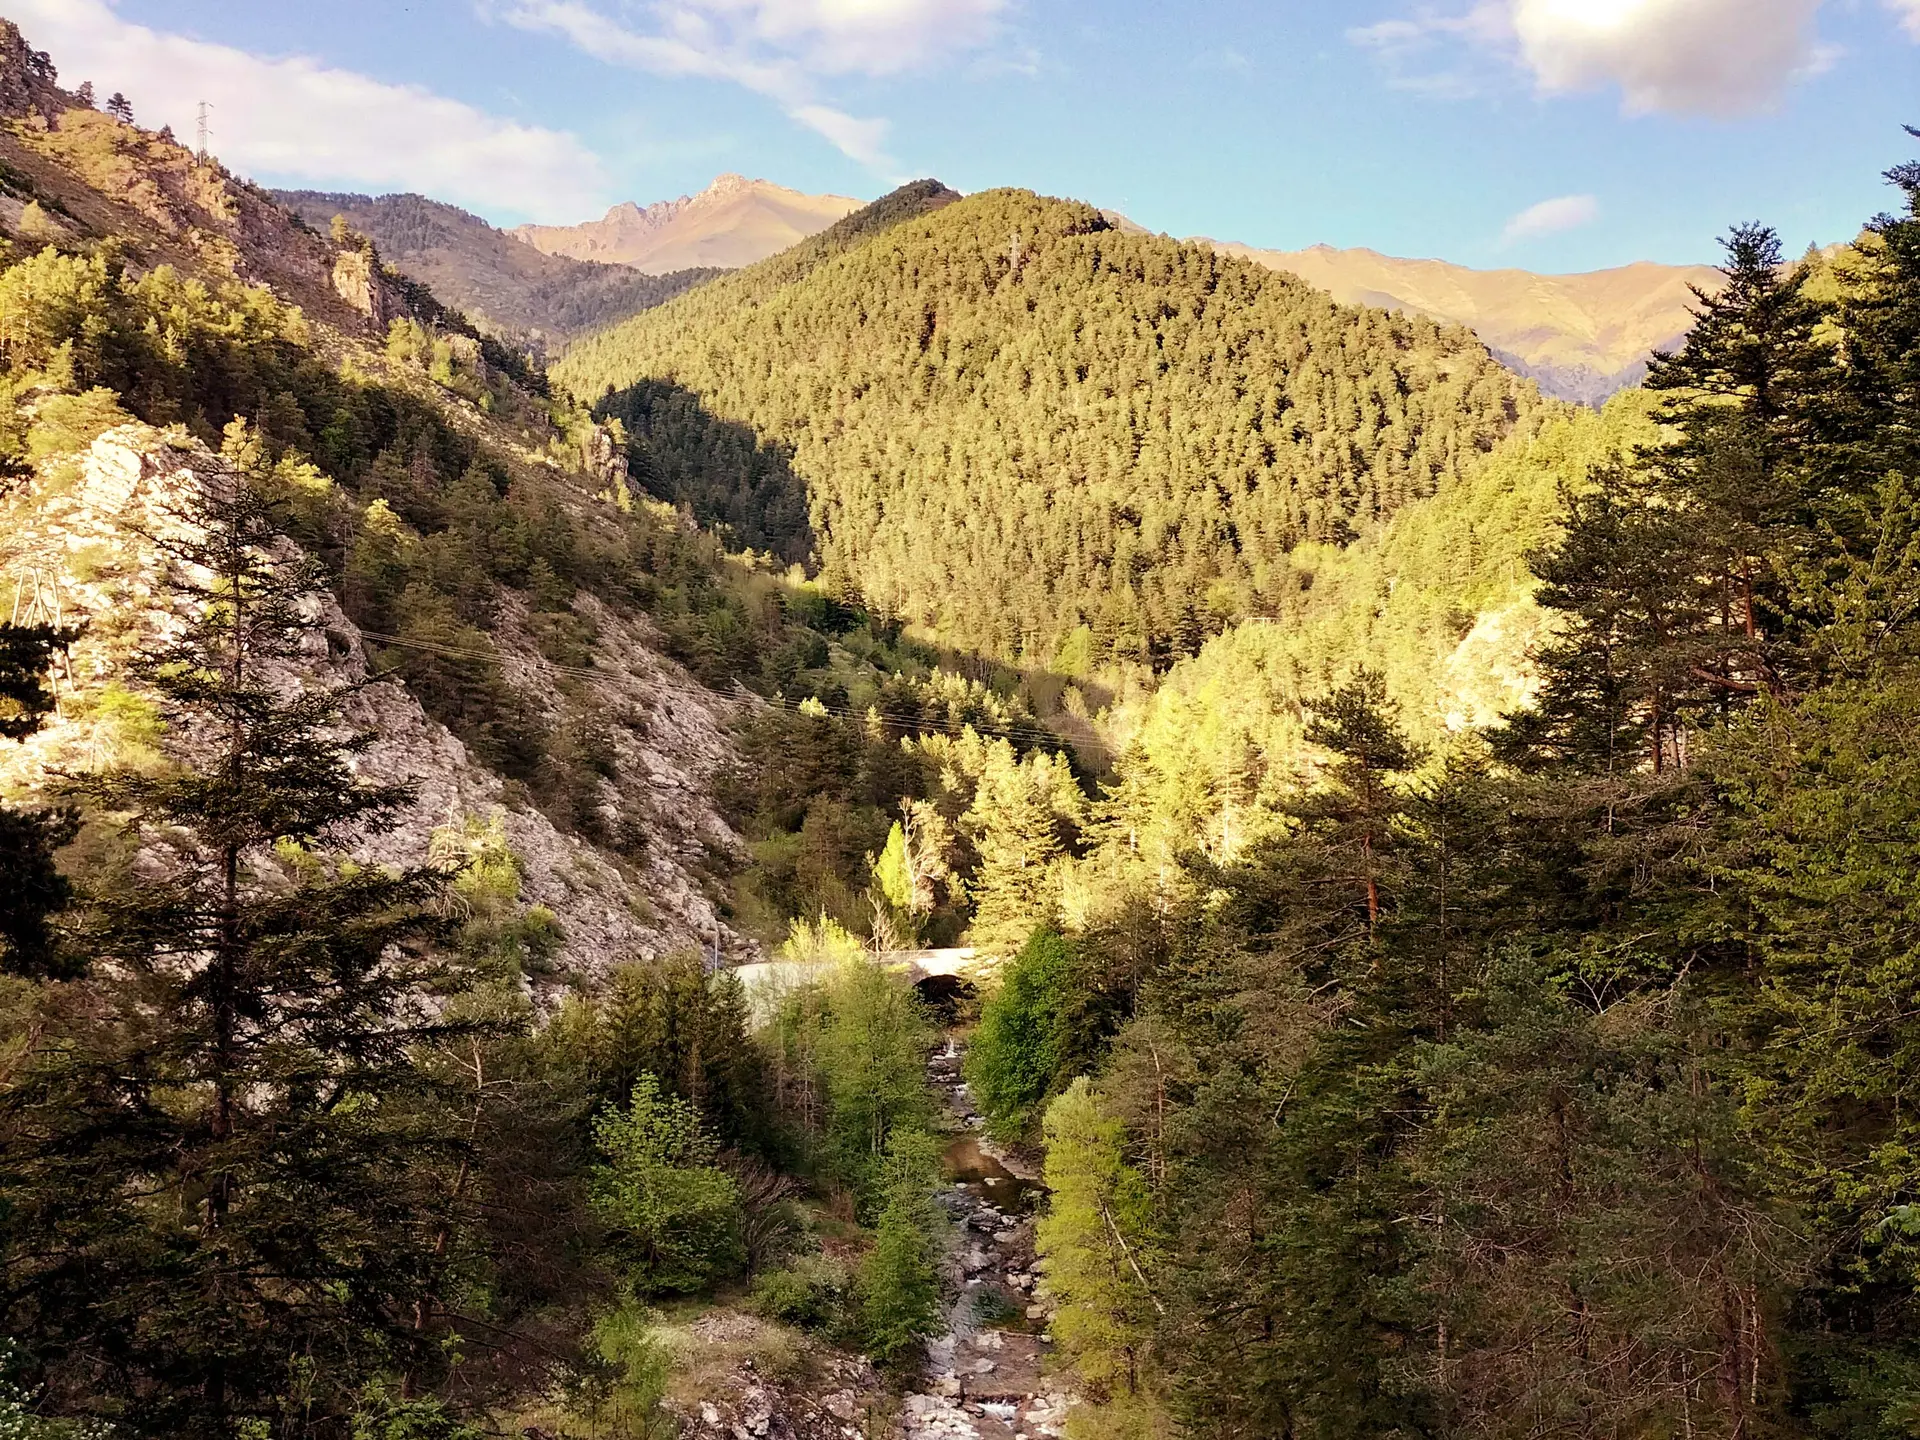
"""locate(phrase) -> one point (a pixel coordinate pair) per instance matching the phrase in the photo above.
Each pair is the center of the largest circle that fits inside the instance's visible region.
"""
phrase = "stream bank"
(985, 1376)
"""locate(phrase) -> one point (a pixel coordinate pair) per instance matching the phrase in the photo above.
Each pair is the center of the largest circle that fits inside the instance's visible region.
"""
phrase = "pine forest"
(991, 826)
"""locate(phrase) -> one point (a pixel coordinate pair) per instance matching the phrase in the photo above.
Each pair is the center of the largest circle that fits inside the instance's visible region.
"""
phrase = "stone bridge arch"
(941, 976)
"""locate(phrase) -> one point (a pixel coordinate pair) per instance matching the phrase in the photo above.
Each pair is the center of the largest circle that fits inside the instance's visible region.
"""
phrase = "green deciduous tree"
(872, 1055)
(673, 1211)
(1096, 1243)
(1015, 1054)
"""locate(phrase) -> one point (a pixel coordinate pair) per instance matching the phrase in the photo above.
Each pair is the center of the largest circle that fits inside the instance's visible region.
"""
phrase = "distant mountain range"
(733, 222)
(503, 285)
(1580, 337)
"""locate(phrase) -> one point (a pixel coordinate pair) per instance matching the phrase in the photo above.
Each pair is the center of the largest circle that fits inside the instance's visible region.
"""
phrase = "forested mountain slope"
(362, 745)
(1552, 1074)
(1440, 601)
(498, 281)
(1466, 984)
(1011, 398)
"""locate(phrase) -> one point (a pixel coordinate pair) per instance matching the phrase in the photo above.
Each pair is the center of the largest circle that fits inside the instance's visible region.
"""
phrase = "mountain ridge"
(735, 221)
(1581, 336)
(501, 283)
(983, 392)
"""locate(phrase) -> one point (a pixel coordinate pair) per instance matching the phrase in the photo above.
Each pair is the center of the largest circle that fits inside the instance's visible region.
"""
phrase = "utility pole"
(204, 108)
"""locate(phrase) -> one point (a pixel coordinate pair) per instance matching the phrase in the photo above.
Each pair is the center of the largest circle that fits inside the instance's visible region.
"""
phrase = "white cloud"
(1702, 57)
(1686, 57)
(1441, 56)
(864, 140)
(1909, 13)
(298, 119)
(1551, 217)
(838, 37)
(781, 49)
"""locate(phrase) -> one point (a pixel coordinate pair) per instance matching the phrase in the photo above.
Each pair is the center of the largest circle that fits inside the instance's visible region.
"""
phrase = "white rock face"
(81, 548)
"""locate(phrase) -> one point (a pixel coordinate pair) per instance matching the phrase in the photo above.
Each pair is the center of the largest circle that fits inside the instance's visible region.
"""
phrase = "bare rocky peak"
(631, 215)
(734, 221)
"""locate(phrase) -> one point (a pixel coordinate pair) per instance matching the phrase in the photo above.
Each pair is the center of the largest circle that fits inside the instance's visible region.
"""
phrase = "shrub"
(812, 1293)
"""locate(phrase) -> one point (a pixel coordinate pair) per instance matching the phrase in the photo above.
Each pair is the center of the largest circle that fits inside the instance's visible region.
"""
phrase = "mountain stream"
(984, 1377)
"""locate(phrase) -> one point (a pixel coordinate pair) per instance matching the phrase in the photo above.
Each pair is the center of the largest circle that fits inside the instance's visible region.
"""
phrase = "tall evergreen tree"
(1743, 396)
(1016, 824)
(1353, 814)
(222, 1202)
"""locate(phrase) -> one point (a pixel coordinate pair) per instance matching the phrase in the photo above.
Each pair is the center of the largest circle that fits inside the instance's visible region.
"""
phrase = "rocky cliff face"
(78, 546)
(75, 546)
(97, 177)
(503, 285)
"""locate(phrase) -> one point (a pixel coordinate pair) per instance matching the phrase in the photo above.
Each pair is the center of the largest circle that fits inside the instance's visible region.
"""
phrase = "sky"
(1554, 135)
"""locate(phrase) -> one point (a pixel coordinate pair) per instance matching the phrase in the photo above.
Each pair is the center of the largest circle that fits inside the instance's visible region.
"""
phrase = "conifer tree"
(221, 1186)
(1741, 396)
(1016, 824)
(1679, 571)
(35, 889)
(898, 1286)
(670, 1019)
(1616, 683)
(1354, 812)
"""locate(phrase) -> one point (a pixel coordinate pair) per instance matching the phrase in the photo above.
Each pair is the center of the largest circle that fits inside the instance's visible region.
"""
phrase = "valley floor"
(986, 1377)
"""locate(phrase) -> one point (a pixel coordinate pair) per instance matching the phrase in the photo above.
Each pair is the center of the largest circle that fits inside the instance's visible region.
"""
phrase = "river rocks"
(930, 1417)
(984, 1379)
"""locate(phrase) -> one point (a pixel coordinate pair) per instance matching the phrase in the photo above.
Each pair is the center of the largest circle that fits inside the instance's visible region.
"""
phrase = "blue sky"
(1551, 134)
